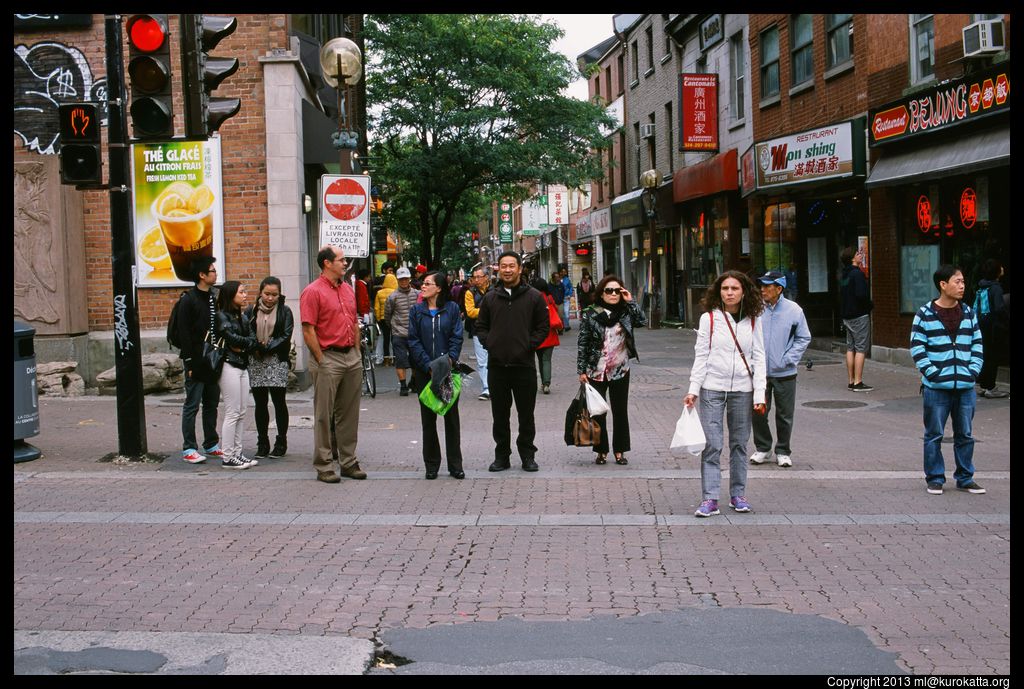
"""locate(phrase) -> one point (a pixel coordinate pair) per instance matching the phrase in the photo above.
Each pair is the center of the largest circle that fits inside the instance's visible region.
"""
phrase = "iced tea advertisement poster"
(178, 208)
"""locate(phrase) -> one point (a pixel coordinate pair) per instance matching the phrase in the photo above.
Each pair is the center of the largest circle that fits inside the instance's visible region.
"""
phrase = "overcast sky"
(582, 32)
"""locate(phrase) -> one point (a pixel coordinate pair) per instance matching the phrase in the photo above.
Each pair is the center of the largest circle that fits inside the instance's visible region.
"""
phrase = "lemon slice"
(153, 250)
(201, 199)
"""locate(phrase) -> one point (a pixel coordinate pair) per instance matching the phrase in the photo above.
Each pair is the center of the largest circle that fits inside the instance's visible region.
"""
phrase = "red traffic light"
(146, 32)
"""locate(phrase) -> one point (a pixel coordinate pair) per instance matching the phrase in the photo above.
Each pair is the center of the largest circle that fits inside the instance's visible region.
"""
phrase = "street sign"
(345, 213)
(505, 222)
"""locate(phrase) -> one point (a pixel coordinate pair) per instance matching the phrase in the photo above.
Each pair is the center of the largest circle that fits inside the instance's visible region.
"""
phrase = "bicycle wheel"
(369, 378)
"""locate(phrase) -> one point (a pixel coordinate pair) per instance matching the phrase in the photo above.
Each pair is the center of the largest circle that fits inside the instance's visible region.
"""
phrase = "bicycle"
(366, 343)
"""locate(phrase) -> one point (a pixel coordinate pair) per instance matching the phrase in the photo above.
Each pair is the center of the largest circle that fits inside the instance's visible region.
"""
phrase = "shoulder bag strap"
(740, 349)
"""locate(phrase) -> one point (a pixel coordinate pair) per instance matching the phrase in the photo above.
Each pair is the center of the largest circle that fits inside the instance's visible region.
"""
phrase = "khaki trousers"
(337, 385)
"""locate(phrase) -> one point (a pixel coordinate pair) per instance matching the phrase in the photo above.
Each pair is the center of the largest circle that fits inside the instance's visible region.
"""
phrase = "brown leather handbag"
(581, 429)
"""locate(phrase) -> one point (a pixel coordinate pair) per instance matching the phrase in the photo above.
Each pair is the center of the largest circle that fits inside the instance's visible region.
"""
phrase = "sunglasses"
(612, 290)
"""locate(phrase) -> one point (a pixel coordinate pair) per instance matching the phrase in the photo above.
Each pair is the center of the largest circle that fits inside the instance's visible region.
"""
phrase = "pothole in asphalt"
(834, 404)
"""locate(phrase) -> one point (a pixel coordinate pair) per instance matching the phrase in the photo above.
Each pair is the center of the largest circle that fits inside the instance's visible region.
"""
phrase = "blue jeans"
(738, 407)
(939, 405)
(208, 394)
(481, 363)
(566, 311)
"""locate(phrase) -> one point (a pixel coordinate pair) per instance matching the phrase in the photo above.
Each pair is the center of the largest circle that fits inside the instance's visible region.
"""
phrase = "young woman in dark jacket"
(435, 330)
(239, 342)
(272, 323)
(604, 348)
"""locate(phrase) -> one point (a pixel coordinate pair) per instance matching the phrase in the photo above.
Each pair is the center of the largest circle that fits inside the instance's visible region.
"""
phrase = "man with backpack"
(191, 321)
(990, 308)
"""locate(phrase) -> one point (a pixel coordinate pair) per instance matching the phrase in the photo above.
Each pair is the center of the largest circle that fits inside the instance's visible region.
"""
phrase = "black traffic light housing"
(81, 160)
(201, 73)
(149, 73)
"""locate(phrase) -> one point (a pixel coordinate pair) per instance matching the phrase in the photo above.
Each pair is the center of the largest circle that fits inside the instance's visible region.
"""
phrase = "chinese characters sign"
(805, 157)
(698, 94)
(947, 105)
(505, 222)
(558, 205)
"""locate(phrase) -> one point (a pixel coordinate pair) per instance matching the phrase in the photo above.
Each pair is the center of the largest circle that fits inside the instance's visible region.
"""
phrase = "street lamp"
(342, 65)
(649, 181)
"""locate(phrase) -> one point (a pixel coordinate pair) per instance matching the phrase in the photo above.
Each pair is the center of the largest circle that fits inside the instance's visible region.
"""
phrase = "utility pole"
(131, 410)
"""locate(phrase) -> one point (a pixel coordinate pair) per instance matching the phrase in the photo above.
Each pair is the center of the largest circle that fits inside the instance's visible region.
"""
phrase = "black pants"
(259, 395)
(992, 344)
(506, 383)
(385, 333)
(618, 394)
(431, 442)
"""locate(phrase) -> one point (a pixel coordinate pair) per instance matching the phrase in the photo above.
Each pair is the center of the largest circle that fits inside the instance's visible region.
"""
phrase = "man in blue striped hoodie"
(946, 345)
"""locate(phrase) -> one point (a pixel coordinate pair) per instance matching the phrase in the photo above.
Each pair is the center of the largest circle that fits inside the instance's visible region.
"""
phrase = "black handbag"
(213, 355)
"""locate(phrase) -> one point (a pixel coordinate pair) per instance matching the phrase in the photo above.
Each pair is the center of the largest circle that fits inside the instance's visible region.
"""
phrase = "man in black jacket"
(855, 309)
(512, 322)
(194, 322)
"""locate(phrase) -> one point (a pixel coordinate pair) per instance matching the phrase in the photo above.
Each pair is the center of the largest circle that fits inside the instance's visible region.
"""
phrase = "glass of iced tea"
(185, 215)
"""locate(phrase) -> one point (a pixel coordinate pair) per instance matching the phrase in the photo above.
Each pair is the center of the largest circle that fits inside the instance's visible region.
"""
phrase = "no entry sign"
(345, 213)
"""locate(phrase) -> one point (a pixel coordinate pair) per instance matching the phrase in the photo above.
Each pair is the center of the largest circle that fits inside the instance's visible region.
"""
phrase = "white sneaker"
(784, 460)
(759, 457)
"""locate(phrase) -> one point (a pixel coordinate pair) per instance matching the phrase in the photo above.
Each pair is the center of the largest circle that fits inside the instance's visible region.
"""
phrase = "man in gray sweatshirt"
(396, 312)
(786, 337)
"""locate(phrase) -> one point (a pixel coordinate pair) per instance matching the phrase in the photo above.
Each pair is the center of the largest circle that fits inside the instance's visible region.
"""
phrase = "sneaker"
(546, 389)
(972, 487)
(739, 503)
(250, 462)
(235, 463)
(994, 394)
(404, 391)
(861, 387)
(263, 448)
(784, 460)
(707, 509)
(935, 488)
(192, 457)
(484, 396)
(849, 386)
(214, 452)
(353, 471)
(759, 457)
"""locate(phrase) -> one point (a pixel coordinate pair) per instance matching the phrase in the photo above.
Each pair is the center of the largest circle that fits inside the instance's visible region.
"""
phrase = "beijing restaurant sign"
(698, 115)
(944, 106)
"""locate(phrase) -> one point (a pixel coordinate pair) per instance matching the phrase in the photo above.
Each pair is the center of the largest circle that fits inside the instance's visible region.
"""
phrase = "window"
(922, 47)
(801, 35)
(669, 128)
(611, 173)
(668, 37)
(650, 47)
(608, 83)
(652, 146)
(597, 86)
(770, 63)
(839, 33)
(738, 73)
(622, 73)
(635, 54)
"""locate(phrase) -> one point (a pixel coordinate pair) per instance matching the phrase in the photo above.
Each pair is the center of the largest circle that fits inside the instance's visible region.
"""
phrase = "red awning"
(715, 175)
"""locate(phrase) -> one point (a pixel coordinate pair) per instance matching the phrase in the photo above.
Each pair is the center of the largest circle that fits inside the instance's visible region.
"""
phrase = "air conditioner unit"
(984, 38)
(647, 131)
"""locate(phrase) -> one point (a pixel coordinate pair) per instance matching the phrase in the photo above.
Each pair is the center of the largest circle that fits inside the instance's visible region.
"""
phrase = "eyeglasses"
(612, 290)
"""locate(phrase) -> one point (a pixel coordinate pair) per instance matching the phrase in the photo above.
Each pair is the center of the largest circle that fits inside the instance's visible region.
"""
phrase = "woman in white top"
(728, 377)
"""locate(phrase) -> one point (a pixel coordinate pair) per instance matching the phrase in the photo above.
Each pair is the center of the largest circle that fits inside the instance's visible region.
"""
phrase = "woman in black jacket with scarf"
(272, 323)
(604, 348)
(239, 341)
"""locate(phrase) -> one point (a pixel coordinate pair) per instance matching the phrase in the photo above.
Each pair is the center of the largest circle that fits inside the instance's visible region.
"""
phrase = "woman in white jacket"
(728, 377)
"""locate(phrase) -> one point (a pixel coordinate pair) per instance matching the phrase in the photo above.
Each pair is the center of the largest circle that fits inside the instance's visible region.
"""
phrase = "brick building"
(939, 135)
(272, 154)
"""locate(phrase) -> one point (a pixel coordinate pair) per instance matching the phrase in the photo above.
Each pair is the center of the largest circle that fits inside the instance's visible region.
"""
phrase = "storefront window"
(779, 236)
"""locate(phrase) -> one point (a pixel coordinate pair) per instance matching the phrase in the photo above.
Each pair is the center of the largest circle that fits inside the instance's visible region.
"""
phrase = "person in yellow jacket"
(384, 349)
(479, 283)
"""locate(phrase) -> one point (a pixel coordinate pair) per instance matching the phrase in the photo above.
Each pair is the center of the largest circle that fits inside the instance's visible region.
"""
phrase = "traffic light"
(149, 71)
(81, 161)
(201, 73)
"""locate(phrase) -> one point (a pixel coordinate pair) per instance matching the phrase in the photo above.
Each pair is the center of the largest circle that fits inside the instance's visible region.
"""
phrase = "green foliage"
(467, 107)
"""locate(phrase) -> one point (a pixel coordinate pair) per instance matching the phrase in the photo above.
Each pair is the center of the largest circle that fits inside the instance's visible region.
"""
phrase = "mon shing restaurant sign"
(827, 152)
(943, 106)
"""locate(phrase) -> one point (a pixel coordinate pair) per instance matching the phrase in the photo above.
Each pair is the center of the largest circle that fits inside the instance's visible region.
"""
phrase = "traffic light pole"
(131, 412)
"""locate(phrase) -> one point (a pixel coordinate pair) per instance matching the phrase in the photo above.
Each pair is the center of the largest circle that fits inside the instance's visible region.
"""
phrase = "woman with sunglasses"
(604, 348)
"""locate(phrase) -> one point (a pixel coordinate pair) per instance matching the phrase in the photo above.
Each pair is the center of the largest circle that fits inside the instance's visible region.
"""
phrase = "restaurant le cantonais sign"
(945, 105)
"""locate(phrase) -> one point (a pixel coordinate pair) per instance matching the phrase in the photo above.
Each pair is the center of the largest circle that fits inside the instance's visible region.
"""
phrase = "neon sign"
(924, 214)
(968, 208)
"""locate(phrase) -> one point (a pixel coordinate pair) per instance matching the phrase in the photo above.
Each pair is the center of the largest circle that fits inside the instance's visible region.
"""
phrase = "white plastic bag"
(596, 403)
(689, 436)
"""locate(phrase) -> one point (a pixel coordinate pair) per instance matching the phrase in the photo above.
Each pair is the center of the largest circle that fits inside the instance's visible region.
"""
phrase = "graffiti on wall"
(47, 75)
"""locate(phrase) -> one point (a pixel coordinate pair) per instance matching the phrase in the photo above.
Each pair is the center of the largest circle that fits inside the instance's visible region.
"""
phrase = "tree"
(465, 105)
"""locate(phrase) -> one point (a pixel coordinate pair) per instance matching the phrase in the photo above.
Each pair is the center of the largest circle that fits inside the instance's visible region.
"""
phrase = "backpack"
(982, 306)
(172, 322)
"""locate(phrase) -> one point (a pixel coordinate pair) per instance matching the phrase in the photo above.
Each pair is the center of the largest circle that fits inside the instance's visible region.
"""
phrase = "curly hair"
(751, 305)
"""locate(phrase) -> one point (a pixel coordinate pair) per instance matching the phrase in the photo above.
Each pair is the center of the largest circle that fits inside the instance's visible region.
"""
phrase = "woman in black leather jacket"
(239, 342)
(603, 350)
(272, 323)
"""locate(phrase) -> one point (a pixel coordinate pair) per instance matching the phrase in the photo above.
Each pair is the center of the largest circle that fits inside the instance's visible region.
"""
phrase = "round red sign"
(924, 213)
(968, 208)
(345, 199)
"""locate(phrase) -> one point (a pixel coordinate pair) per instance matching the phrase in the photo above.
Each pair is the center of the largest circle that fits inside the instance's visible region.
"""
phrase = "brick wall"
(243, 144)
(600, 85)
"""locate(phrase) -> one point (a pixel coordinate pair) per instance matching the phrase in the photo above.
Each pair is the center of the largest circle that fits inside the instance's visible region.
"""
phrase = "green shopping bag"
(431, 402)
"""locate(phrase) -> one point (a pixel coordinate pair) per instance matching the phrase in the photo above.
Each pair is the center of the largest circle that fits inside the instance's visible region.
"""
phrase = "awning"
(709, 177)
(956, 155)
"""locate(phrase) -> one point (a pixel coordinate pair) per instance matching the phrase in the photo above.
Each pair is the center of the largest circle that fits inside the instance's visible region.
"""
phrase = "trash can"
(26, 396)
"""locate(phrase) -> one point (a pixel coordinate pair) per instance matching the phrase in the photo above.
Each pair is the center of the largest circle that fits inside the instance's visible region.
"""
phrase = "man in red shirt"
(327, 308)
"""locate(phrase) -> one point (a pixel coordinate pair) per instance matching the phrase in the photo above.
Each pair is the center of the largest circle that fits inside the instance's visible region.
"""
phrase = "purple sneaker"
(707, 508)
(740, 504)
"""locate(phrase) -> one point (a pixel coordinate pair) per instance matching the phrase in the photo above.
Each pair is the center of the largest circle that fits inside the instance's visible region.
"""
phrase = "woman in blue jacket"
(435, 332)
